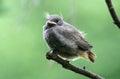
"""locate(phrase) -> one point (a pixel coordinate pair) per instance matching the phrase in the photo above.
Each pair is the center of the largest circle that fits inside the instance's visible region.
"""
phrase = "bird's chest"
(53, 38)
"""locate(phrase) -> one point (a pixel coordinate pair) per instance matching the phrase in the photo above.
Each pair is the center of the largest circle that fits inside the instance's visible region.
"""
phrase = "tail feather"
(88, 55)
(91, 56)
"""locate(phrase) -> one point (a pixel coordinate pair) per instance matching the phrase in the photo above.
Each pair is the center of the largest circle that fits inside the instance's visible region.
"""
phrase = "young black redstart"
(66, 39)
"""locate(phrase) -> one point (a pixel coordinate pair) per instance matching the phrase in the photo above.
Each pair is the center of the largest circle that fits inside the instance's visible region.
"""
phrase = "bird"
(67, 40)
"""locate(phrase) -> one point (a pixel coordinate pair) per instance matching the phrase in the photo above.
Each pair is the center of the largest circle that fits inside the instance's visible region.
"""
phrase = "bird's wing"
(74, 35)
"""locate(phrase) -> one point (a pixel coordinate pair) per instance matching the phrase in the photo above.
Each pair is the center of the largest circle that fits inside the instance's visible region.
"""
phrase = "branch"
(65, 64)
(113, 13)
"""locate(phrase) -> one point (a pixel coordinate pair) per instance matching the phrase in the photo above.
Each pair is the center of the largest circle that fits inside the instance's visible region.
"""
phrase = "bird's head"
(54, 20)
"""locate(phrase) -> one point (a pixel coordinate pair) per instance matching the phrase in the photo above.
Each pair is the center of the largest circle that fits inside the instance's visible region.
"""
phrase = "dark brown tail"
(91, 56)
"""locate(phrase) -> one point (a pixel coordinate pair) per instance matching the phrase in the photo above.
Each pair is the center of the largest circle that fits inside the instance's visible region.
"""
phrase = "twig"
(113, 13)
(65, 64)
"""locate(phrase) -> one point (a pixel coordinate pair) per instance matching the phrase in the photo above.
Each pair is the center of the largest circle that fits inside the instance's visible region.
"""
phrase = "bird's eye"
(56, 20)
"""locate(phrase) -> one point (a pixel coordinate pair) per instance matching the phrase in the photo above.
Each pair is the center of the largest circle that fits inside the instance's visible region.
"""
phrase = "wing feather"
(74, 35)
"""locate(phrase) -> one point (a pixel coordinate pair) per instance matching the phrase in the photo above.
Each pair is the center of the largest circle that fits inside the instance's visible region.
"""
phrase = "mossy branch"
(65, 64)
(113, 13)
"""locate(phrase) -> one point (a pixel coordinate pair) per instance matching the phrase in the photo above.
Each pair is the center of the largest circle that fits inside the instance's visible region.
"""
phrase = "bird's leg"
(52, 53)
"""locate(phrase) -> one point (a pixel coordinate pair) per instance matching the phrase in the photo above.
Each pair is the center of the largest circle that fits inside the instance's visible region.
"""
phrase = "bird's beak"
(51, 23)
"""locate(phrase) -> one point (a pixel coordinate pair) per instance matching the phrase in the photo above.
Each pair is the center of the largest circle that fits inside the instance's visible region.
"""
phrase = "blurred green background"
(23, 50)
